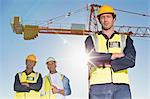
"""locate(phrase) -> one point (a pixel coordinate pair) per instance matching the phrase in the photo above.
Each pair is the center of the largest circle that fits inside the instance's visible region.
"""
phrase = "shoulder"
(45, 76)
(19, 73)
(37, 73)
(88, 38)
(65, 78)
(129, 40)
(126, 36)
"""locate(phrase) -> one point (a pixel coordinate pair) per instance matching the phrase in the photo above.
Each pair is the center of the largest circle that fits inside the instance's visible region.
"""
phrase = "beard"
(107, 26)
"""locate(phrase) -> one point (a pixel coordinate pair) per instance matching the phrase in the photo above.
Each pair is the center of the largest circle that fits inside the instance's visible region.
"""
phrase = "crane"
(32, 31)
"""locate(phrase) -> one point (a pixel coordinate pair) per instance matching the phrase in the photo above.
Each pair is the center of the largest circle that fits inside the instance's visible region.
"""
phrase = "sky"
(68, 50)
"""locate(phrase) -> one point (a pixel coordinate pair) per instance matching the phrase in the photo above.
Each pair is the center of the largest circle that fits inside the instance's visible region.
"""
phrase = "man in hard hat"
(28, 82)
(55, 85)
(110, 55)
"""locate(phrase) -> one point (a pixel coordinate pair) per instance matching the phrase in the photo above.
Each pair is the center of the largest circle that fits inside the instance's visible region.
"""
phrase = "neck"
(52, 72)
(29, 70)
(108, 32)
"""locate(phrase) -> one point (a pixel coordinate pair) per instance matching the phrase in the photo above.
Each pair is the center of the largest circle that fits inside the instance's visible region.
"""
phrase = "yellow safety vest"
(31, 78)
(46, 92)
(114, 45)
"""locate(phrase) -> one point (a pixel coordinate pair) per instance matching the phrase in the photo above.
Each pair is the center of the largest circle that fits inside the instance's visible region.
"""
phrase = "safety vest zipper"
(107, 45)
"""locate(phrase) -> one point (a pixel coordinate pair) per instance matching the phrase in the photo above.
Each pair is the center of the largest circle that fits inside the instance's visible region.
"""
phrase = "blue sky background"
(68, 50)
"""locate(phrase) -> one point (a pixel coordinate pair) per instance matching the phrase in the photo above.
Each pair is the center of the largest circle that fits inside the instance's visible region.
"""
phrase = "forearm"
(95, 58)
(21, 88)
(36, 86)
(100, 57)
(18, 87)
(122, 63)
(60, 91)
(128, 61)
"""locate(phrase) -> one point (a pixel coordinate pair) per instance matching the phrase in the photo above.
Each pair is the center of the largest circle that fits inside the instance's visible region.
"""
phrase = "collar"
(106, 37)
(53, 73)
(29, 73)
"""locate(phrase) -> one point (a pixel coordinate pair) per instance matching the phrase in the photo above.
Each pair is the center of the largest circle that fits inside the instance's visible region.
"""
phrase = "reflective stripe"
(49, 79)
(46, 91)
(20, 75)
(114, 45)
(95, 42)
(31, 94)
(62, 76)
(31, 78)
(123, 40)
(36, 75)
(42, 89)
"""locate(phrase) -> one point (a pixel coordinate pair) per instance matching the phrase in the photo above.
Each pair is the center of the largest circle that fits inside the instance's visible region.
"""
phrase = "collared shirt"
(56, 80)
(61, 82)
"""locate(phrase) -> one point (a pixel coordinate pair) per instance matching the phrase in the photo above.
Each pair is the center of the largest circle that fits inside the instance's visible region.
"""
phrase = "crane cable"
(141, 14)
(52, 20)
(70, 13)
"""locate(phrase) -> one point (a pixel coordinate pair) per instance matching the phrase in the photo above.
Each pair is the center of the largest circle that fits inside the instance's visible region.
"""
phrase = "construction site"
(59, 29)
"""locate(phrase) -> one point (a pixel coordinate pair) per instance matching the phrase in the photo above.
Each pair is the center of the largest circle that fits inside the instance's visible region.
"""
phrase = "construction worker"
(55, 85)
(110, 55)
(28, 82)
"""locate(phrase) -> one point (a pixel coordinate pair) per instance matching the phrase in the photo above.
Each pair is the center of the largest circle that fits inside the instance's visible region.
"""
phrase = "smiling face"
(30, 64)
(51, 65)
(107, 21)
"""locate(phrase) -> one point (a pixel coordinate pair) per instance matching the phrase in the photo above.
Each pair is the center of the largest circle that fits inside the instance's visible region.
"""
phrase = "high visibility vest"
(31, 78)
(114, 45)
(46, 92)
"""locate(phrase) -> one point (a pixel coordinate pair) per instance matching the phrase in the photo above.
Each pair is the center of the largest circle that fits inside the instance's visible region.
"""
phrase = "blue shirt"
(66, 85)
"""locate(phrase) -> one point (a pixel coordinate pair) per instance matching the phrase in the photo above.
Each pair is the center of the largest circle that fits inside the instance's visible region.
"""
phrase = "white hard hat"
(50, 59)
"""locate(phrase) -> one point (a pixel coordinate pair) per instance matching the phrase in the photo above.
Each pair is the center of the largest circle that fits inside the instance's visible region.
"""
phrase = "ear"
(34, 63)
(99, 21)
(55, 65)
(114, 19)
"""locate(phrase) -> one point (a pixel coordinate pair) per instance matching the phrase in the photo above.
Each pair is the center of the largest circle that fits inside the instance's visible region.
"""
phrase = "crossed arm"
(118, 61)
(26, 87)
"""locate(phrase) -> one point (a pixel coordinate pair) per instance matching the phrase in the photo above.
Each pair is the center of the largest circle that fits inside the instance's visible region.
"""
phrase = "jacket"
(117, 73)
(35, 83)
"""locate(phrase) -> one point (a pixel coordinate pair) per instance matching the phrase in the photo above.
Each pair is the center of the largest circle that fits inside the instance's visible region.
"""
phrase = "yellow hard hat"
(31, 57)
(105, 9)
